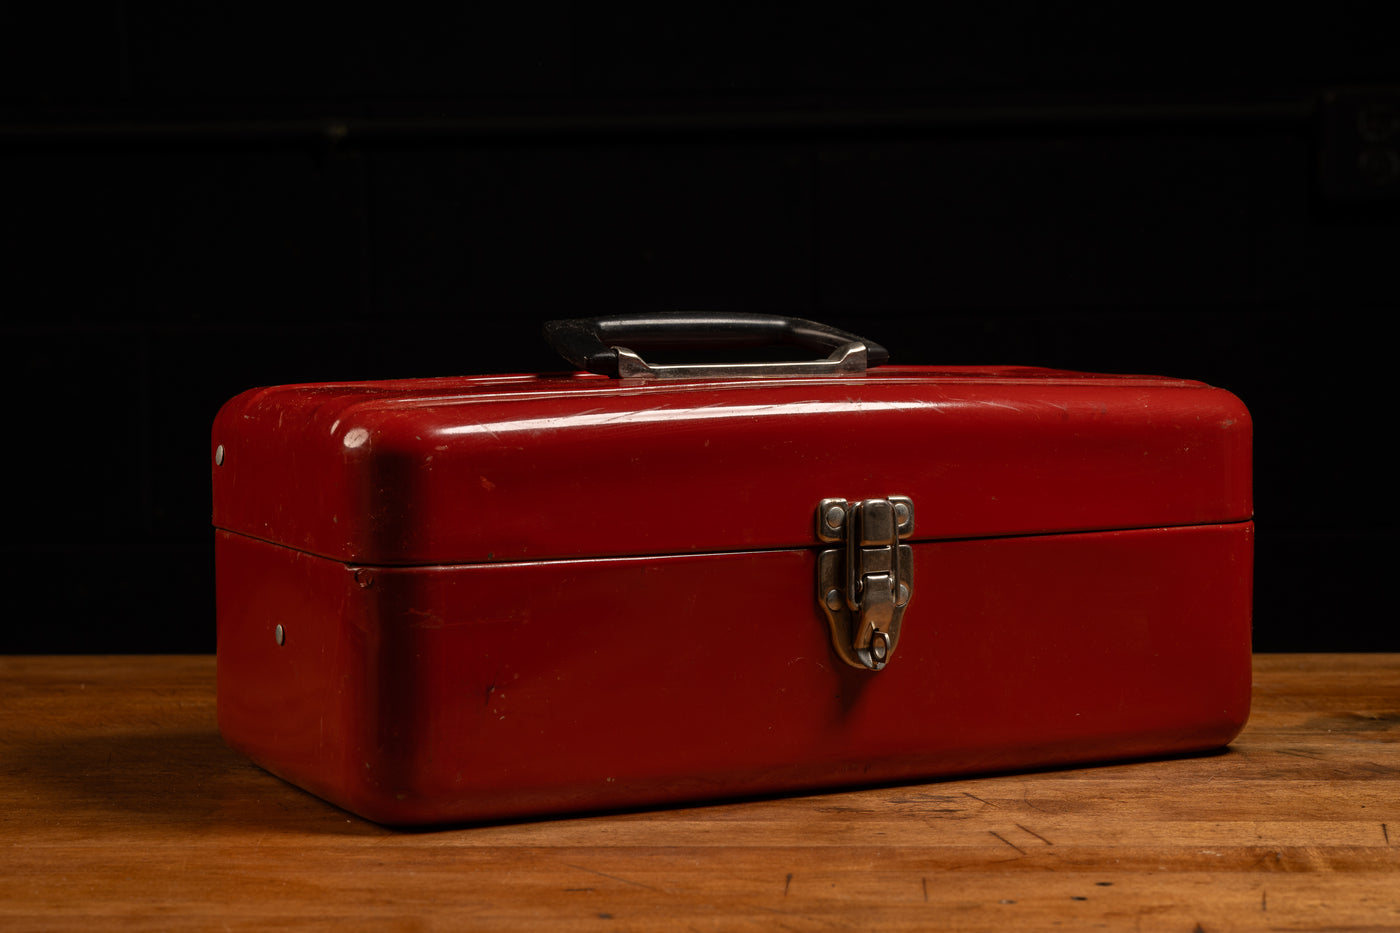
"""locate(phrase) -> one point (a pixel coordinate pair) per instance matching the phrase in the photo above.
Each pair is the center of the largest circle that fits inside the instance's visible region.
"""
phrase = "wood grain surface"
(121, 808)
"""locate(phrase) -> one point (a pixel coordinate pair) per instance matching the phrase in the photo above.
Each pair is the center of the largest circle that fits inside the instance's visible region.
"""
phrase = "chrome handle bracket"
(864, 585)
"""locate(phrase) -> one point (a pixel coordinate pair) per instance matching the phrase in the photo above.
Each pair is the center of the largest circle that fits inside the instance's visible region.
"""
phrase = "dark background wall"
(199, 201)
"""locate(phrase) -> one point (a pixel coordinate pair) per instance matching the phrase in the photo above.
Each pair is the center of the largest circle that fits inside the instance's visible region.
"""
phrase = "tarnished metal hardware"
(846, 360)
(613, 345)
(864, 586)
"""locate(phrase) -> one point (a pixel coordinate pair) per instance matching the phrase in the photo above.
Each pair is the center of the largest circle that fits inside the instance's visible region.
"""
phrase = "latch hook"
(864, 586)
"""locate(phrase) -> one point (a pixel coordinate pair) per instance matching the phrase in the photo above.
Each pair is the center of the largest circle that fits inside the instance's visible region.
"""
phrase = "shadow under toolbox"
(458, 599)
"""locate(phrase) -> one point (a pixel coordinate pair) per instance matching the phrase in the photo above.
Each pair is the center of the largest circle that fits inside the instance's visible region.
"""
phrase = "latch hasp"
(864, 586)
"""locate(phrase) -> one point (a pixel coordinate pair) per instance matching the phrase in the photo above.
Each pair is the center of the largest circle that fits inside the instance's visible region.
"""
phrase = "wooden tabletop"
(120, 807)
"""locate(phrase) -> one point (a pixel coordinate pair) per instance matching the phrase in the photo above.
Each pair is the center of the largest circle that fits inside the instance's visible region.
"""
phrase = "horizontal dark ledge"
(776, 124)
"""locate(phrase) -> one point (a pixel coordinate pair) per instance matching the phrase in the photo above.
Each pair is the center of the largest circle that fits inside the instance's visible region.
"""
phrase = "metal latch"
(865, 585)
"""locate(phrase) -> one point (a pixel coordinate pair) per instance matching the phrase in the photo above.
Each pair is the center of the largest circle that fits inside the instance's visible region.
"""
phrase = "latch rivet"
(833, 599)
(835, 516)
(901, 512)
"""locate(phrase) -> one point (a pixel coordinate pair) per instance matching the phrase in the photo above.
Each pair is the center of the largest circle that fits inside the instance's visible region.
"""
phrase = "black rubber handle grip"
(591, 343)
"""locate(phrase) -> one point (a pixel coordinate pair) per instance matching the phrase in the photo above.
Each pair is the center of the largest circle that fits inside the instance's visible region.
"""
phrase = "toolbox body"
(481, 598)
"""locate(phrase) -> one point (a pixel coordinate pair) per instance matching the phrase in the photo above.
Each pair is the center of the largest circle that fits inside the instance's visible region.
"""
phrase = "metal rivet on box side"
(280, 634)
(219, 455)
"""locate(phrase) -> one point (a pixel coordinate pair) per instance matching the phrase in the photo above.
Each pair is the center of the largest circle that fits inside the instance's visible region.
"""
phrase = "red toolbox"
(461, 599)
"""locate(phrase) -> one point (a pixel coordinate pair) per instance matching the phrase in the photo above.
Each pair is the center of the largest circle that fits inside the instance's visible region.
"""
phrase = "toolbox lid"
(541, 467)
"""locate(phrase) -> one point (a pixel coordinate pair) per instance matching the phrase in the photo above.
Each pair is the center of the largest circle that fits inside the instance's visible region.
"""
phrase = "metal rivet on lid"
(219, 455)
(280, 634)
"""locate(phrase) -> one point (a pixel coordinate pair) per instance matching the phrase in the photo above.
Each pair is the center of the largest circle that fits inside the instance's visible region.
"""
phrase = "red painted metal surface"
(528, 468)
(525, 595)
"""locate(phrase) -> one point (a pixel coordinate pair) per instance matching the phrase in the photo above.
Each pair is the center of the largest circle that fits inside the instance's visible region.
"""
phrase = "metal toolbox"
(481, 598)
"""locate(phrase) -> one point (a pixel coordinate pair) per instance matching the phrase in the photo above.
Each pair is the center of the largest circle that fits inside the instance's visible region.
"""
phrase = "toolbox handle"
(608, 345)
